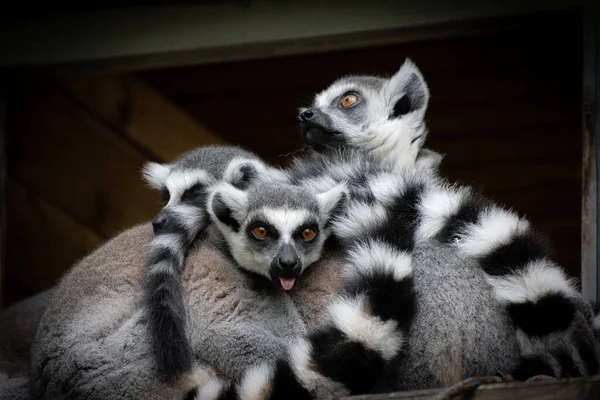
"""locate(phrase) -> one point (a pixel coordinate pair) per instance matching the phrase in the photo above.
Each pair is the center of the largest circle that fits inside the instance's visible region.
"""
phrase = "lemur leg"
(551, 317)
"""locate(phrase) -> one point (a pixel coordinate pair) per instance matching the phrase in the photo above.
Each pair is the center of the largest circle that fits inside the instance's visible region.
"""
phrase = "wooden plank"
(132, 107)
(2, 197)
(44, 241)
(79, 165)
(567, 389)
(193, 34)
(590, 267)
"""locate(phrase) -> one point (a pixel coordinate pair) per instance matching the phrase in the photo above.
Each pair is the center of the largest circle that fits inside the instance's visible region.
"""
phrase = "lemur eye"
(348, 100)
(166, 196)
(308, 234)
(260, 232)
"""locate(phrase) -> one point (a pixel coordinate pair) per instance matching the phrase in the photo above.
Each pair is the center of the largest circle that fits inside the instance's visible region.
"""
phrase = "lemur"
(185, 184)
(394, 210)
(312, 176)
(240, 314)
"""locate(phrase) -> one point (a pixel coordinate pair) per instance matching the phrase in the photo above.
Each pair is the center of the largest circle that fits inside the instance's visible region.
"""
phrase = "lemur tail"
(367, 323)
(167, 319)
(367, 327)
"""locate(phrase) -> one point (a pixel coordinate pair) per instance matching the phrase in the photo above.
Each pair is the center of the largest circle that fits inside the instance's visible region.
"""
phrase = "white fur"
(437, 204)
(188, 215)
(156, 174)
(385, 187)
(360, 219)
(351, 316)
(171, 241)
(330, 199)
(373, 257)
(256, 383)
(286, 220)
(236, 200)
(211, 390)
(180, 180)
(391, 142)
(538, 279)
(302, 362)
(320, 184)
(495, 228)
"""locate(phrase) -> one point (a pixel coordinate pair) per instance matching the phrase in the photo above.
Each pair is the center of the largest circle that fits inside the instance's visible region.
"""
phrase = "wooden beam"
(44, 241)
(566, 389)
(590, 268)
(2, 197)
(78, 164)
(142, 115)
(149, 37)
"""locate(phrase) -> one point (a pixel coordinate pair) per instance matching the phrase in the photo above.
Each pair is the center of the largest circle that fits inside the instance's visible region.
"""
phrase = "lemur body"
(441, 216)
(539, 325)
(237, 316)
(185, 185)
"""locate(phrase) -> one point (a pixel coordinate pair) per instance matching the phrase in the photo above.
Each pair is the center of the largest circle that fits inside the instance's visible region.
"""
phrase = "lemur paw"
(571, 352)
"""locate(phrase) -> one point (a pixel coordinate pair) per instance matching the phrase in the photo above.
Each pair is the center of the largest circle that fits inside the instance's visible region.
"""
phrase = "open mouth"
(287, 283)
(286, 280)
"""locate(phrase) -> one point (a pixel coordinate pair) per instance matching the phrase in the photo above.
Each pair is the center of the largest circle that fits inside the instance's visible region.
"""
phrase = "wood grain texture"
(63, 154)
(43, 240)
(130, 106)
(567, 389)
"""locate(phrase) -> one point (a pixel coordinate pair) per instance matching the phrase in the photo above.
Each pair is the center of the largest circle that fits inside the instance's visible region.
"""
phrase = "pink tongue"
(287, 283)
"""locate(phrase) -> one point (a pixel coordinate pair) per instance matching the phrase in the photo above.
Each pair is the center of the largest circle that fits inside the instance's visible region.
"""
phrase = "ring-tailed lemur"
(275, 231)
(382, 116)
(394, 210)
(185, 185)
(93, 341)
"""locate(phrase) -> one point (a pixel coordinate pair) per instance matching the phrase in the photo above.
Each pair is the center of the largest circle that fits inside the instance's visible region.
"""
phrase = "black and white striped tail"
(166, 309)
(543, 303)
(366, 329)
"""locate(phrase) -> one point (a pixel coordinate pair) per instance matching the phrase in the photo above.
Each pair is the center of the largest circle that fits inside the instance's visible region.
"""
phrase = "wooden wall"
(505, 109)
(75, 152)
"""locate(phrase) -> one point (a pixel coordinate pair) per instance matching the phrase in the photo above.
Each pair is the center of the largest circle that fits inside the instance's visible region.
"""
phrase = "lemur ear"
(228, 205)
(156, 174)
(428, 160)
(241, 173)
(407, 91)
(333, 201)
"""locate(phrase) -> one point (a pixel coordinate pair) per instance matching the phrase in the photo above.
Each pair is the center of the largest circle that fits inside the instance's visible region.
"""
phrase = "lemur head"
(275, 231)
(382, 116)
(185, 181)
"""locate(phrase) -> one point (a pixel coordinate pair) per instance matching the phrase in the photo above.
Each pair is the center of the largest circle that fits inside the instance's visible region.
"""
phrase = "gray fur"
(93, 340)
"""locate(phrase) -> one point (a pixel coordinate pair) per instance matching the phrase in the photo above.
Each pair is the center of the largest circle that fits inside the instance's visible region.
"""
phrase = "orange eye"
(308, 234)
(349, 100)
(260, 232)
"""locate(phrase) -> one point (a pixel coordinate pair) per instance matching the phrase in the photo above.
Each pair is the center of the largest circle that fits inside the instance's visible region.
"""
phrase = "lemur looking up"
(395, 209)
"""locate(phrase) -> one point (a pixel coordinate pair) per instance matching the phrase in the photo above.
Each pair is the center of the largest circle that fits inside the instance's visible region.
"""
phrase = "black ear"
(242, 173)
(333, 202)
(246, 174)
(401, 107)
(407, 91)
(224, 213)
(228, 206)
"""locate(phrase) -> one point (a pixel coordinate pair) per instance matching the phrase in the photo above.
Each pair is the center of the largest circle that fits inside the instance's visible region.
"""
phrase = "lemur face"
(368, 112)
(185, 183)
(275, 231)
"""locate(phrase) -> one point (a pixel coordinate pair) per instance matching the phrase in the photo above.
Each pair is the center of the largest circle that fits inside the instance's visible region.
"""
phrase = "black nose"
(306, 115)
(288, 263)
(159, 222)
